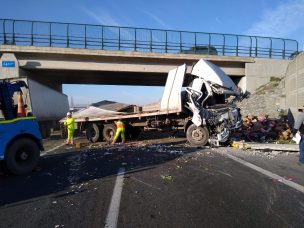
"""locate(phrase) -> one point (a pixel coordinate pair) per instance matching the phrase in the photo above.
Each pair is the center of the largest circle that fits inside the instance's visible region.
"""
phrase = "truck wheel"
(197, 136)
(22, 156)
(109, 132)
(93, 132)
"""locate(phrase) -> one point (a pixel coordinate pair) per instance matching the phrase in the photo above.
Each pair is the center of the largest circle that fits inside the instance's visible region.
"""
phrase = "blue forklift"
(20, 137)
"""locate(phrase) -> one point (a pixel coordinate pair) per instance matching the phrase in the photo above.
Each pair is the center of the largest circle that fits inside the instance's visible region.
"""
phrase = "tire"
(93, 132)
(197, 136)
(63, 131)
(22, 156)
(109, 132)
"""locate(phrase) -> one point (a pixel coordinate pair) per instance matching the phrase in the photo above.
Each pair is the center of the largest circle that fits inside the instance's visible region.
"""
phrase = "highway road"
(160, 184)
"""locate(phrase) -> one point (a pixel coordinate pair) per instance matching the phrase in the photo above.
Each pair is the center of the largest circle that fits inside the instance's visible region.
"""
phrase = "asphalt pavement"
(163, 184)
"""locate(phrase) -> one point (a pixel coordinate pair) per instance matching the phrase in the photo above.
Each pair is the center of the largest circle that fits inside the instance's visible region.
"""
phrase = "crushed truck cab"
(210, 98)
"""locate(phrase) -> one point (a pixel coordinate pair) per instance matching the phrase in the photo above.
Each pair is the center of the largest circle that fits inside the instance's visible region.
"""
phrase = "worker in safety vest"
(69, 123)
(120, 131)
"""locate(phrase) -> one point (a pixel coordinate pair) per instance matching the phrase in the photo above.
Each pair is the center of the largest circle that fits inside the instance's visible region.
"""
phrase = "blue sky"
(278, 18)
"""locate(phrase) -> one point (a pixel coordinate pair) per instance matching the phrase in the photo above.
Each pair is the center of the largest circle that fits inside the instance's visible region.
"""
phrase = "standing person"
(299, 126)
(69, 123)
(120, 131)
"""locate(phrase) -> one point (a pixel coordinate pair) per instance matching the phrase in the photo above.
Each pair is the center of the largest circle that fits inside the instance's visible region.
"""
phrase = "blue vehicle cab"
(20, 137)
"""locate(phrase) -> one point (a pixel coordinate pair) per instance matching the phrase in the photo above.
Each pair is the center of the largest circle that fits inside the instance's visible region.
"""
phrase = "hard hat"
(69, 114)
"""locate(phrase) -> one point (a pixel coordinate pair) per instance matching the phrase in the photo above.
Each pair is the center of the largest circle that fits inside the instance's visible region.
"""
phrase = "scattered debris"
(58, 226)
(167, 177)
(80, 144)
(263, 129)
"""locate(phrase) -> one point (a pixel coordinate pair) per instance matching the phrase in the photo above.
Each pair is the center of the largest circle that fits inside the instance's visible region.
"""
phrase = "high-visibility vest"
(120, 124)
(70, 123)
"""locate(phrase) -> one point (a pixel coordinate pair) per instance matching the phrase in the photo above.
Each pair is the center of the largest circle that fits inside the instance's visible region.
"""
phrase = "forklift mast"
(7, 90)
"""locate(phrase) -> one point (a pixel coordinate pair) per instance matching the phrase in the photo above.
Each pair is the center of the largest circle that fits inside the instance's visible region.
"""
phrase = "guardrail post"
(13, 32)
(209, 44)
(151, 38)
(68, 35)
(195, 42)
(51, 35)
(135, 48)
(180, 42)
(297, 46)
(250, 46)
(32, 34)
(119, 38)
(270, 49)
(237, 45)
(4, 32)
(166, 44)
(102, 37)
(283, 49)
(256, 46)
(85, 36)
(224, 44)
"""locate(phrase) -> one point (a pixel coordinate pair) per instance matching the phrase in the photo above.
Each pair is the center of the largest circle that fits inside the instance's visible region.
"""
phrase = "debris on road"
(58, 226)
(80, 144)
(241, 145)
(263, 129)
(167, 177)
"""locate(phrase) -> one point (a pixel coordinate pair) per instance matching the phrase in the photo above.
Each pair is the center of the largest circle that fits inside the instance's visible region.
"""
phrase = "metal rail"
(72, 35)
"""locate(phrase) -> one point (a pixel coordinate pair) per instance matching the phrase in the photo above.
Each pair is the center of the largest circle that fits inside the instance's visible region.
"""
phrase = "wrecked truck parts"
(201, 111)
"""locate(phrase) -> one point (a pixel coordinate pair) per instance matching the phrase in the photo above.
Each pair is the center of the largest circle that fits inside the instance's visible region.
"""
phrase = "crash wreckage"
(205, 110)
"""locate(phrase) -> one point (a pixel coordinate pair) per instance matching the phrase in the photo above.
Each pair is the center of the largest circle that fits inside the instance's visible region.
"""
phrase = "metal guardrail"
(71, 35)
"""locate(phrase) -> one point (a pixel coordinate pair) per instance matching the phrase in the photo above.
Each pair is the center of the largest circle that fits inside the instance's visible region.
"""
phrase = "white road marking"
(289, 183)
(50, 150)
(113, 212)
(54, 148)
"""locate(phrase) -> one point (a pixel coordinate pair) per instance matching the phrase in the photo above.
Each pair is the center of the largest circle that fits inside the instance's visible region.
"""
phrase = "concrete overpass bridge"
(64, 53)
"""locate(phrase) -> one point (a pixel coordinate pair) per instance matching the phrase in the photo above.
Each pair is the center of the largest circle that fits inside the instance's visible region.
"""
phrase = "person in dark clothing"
(299, 126)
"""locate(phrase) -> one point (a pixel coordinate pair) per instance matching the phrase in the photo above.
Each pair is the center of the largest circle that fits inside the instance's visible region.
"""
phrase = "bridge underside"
(97, 77)
(56, 66)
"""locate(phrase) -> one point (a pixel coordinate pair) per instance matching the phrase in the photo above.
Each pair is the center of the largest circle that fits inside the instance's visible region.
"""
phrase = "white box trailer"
(46, 104)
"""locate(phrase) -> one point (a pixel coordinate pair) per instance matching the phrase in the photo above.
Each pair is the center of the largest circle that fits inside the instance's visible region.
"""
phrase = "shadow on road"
(57, 173)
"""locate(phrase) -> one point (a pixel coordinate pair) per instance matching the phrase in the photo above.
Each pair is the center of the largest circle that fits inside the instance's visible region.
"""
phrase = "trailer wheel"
(93, 132)
(22, 156)
(109, 132)
(197, 136)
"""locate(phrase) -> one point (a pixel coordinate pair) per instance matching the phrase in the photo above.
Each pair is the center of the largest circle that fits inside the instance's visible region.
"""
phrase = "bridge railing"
(71, 35)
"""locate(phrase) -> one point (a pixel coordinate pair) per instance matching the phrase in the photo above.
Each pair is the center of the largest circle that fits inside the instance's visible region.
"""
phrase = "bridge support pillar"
(9, 67)
(261, 70)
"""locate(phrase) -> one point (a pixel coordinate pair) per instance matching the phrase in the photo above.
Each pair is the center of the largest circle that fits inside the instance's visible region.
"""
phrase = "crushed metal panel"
(171, 99)
(210, 72)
